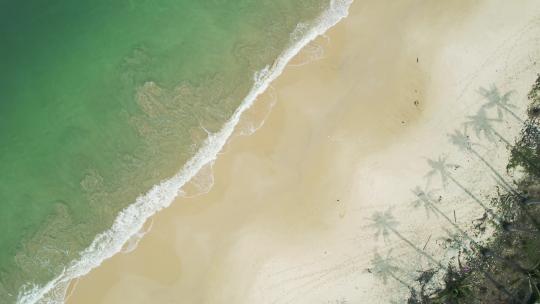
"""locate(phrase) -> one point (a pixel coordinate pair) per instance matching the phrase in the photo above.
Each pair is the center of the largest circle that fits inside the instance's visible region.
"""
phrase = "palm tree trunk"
(532, 203)
(485, 273)
(506, 142)
(451, 222)
(489, 211)
(499, 285)
(476, 199)
(499, 176)
(400, 281)
(509, 187)
(513, 114)
(429, 257)
(512, 264)
(519, 229)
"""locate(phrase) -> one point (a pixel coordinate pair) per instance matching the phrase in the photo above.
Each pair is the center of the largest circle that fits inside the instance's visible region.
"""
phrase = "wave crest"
(130, 221)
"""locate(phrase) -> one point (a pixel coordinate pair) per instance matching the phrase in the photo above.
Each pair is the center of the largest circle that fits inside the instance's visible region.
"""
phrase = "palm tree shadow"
(440, 167)
(385, 268)
(463, 142)
(500, 102)
(482, 125)
(425, 198)
(385, 225)
(428, 200)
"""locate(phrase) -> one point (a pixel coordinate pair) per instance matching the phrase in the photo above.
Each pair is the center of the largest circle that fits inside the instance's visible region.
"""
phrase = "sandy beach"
(284, 214)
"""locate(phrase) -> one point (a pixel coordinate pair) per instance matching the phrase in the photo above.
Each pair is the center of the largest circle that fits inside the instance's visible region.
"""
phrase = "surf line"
(131, 219)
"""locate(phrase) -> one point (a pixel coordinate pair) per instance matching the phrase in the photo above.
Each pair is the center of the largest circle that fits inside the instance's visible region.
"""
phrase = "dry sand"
(287, 217)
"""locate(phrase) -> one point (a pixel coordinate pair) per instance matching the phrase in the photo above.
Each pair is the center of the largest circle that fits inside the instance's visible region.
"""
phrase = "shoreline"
(111, 242)
(311, 171)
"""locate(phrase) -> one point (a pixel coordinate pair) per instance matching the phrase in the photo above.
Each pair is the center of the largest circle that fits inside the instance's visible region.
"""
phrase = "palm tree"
(384, 268)
(498, 101)
(384, 223)
(440, 167)
(482, 125)
(463, 142)
(425, 198)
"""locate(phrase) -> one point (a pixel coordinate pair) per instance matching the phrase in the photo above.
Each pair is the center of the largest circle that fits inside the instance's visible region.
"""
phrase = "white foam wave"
(134, 240)
(131, 220)
(200, 184)
(250, 125)
(311, 53)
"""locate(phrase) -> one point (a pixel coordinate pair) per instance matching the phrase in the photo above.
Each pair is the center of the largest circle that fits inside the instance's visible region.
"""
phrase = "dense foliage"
(505, 268)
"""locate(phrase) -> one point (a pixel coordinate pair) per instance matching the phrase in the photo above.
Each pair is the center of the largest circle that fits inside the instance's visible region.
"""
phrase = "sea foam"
(131, 220)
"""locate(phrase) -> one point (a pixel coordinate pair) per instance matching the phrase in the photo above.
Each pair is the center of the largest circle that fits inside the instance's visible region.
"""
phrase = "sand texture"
(355, 124)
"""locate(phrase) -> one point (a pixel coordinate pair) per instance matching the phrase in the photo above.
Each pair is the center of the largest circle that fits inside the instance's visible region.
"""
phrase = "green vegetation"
(506, 267)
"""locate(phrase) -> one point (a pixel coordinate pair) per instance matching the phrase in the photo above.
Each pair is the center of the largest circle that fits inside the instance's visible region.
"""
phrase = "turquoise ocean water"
(101, 100)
